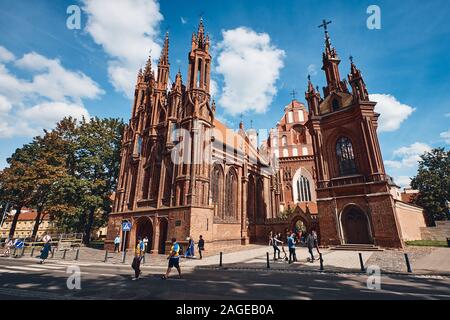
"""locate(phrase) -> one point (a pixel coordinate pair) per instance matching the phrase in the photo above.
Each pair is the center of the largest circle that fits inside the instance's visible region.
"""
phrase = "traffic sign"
(126, 226)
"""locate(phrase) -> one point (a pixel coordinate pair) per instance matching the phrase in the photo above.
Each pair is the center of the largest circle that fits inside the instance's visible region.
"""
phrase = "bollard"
(32, 251)
(106, 256)
(14, 252)
(361, 262)
(321, 262)
(77, 254)
(408, 265)
(220, 262)
(53, 252)
(124, 255)
(268, 263)
(23, 252)
(64, 254)
(143, 259)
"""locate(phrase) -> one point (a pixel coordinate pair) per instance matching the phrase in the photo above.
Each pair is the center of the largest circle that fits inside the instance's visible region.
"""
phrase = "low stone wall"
(441, 232)
(411, 219)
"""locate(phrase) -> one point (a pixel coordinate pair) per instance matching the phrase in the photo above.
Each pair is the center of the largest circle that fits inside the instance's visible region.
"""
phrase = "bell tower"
(354, 201)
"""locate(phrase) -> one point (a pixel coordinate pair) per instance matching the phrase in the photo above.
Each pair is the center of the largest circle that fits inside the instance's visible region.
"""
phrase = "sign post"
(126, 227)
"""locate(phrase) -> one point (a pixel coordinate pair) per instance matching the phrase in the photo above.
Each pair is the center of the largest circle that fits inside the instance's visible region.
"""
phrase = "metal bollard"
(321, 262)
(220, 262)
(32, 251)
(14, 252)
(408, 265)
(77, 254)
(23, 252)
(143, 259)
(124, 255)
(106, 256)
(268, 263)
(361, 262)
(64, 254)
(53, 252)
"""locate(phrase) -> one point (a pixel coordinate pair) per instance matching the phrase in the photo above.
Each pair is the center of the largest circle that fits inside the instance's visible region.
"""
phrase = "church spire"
(331, 63)
(356, 80)
(313, 98)
(163, 65)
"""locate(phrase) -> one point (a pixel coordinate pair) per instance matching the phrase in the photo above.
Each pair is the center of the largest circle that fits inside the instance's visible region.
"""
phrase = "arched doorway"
(355, 225)
(145, 229)
(163, 226)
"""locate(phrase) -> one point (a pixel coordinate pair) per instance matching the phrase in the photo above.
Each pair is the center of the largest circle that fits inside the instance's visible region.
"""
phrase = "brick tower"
(353, 198)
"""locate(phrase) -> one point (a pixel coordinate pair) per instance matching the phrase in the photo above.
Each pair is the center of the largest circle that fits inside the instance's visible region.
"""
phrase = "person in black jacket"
(201, 246)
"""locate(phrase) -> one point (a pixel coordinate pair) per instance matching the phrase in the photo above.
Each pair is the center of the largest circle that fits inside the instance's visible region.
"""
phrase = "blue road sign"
(126, 226)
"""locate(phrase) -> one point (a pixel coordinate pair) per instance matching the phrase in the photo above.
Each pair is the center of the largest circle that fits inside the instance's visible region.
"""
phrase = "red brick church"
(184, 173)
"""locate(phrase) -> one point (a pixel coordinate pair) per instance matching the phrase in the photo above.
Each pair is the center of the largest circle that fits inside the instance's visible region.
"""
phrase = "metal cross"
(351, 59)
(325, 24)
(293, 93)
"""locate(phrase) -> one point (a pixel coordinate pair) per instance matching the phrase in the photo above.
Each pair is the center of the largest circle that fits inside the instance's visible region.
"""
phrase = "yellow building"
(25, 225)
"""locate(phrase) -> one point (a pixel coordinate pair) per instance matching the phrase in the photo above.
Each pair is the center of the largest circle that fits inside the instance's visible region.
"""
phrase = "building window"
(290, 117)
(231, 195)
(284, 141)
(303, 190)
(301, 117)
(277, 153)
(335, 105)
(285, 153)
(294, 152)
(345, 157)
(217, 189)
(305, 151)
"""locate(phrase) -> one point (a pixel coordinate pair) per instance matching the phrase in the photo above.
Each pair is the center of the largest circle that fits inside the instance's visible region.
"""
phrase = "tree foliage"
(69, 172)
(433, 182)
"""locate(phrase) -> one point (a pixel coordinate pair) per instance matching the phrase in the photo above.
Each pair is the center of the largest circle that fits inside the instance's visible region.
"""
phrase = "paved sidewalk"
(437, 261)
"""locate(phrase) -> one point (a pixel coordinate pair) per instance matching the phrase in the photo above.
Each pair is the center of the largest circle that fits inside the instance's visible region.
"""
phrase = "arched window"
(284, 141)
(303, 190)
(217, 189)
(231, 195)
(335, 105)
(345, 157)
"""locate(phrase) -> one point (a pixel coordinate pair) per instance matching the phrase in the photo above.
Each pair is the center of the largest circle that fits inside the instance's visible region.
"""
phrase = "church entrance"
(356, 227)
(145, 229)
(163, 226)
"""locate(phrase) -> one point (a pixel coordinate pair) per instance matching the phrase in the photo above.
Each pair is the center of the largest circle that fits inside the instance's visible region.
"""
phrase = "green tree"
(433, 182)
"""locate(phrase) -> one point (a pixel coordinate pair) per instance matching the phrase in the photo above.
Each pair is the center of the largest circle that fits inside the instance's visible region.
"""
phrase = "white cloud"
(47, 114)
(403, 181)
(250, 66)
(28, 106)
(408, 156)
(213, 88)
(5, 105)
(392, 112)
(312, 70)
(6, 55)
(183, 20)
(446, 136)
(447, 115)
(127, 30)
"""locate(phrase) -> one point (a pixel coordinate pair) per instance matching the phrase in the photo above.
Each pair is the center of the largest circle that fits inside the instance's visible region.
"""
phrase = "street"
(28, 280)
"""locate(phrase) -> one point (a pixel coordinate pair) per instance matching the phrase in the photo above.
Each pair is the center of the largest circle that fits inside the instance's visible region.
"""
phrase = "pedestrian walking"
(190, 250)
(117, 244)
(8, 245)
(201, 246)
(275, 242)
(44, 252)
(310, 244)
(138, 254)
(316, 241)
(174, 259)
(145, 244)
(46, 238)
(270, 238)
(291, 246)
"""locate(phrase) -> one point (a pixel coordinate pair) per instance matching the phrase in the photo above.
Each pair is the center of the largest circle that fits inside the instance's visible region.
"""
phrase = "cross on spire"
(293, 93)
(351, 59)
(325, 24)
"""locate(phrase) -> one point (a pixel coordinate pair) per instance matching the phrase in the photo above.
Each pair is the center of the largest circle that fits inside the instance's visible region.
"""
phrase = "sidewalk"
(424, 260)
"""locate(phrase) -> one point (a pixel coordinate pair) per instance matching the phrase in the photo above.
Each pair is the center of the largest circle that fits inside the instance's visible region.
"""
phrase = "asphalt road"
(28, 280)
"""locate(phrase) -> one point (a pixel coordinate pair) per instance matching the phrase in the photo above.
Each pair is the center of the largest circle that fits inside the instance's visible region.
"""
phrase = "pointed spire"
(356, 80)
(310, 85)
(148, 66)
(213, 105)
(164, 59)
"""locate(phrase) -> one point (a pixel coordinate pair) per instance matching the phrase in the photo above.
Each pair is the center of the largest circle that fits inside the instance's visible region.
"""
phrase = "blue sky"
(262, 50)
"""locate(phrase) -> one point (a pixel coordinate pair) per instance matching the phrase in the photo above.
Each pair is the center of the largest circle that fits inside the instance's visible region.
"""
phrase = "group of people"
(292, 239)
(19, 244)
(173, 257)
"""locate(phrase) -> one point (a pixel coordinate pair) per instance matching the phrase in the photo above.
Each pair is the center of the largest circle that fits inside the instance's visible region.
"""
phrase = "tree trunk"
(37, 222)
(90, 222)
(14, 223)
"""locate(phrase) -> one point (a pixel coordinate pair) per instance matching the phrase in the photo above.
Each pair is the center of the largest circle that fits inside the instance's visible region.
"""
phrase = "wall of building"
(411, 219)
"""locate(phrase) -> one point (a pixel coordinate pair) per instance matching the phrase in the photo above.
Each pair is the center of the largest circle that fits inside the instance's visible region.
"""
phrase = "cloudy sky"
(262, 50)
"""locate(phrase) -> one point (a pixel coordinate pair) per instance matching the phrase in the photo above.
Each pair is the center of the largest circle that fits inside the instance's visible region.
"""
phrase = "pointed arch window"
(284, 141)
(217, 189)
(303, 189)
(231, 195)
(335, 105)
(345, 157)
